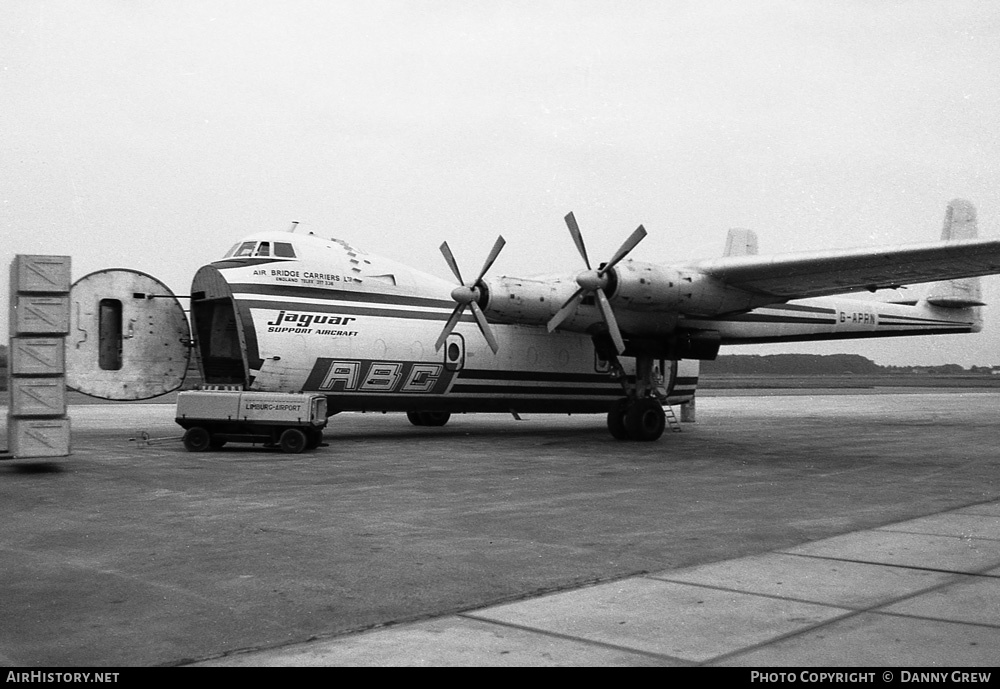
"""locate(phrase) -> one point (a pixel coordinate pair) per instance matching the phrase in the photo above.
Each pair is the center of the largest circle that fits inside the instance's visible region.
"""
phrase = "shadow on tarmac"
(29, 468)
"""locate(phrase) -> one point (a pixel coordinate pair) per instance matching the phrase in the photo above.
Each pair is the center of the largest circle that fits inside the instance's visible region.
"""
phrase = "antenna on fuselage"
(295, 225)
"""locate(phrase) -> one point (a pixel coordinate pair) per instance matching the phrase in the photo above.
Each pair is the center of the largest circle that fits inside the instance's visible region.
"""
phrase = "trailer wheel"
(197, 439)
(292, 441)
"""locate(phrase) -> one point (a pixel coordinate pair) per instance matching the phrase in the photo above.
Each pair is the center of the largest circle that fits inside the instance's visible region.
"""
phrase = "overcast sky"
(154, 135)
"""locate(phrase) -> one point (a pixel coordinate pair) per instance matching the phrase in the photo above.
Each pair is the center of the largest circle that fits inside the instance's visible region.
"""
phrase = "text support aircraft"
(292, 312)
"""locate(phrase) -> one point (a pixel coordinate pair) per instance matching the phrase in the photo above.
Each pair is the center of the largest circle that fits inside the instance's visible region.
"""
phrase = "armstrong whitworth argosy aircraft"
(290, 312)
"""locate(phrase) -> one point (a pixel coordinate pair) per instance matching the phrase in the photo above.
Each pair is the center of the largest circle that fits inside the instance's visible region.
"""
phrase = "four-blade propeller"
(595, 281)
(468, 294)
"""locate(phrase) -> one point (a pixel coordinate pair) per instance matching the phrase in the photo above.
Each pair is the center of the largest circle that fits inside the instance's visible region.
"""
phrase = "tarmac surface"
(779, 530)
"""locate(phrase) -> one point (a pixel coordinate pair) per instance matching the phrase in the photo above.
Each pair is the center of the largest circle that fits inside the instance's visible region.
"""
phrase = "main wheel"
(428, 418)
(292, 441)
(197, 439)
(616, 419)
(645, 420)
(435, 418)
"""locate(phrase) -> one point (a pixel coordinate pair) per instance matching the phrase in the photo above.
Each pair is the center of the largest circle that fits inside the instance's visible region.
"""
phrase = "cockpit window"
(246, 249)
(261, 249)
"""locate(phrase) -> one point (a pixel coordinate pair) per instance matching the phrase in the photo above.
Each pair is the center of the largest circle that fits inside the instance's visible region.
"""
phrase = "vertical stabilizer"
(959, 223)
(741, 242)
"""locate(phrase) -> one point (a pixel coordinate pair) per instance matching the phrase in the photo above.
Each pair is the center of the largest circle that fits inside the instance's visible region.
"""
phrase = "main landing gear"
(428, 418)
(639, 415)
(641, 419)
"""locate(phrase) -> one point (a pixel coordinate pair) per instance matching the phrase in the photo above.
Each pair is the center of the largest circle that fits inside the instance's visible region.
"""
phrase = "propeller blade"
(466, 295)
(625, 248)
(609, 319)
(497, 246)
(484, 327)
(574, 230)
(452, 263)
(456, 314)
(567, 310)
(589, 284)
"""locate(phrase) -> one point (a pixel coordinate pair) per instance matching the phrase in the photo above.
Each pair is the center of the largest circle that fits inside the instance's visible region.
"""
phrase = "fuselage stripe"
(907, 320)
(763, 318)
(342, 308)
(800, 307)
(848, 335)
(534, 376)
(539, 391)
(338, 295)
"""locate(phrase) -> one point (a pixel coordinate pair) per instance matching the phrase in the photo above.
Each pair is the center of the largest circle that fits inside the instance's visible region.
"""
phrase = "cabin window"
(264, 249)
(284, 250)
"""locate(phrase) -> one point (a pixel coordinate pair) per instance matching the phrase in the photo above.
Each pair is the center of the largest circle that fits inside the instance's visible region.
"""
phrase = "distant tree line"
(821, 364)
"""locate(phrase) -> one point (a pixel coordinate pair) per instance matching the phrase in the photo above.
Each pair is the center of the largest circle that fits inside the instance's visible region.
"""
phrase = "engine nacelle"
(649, 287)
(646, 299)
(529, 301)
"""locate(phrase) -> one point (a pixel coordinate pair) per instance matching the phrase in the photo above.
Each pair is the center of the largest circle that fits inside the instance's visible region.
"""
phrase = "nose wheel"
(642, 419)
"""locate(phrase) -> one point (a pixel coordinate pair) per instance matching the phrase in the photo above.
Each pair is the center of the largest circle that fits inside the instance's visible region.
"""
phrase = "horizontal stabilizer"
(954, 302)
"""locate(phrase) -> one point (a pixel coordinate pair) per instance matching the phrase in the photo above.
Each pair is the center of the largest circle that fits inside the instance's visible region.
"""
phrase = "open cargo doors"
(129, 337)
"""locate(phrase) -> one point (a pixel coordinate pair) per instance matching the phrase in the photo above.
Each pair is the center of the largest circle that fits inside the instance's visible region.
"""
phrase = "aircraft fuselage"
(319, 315)
(361, 329)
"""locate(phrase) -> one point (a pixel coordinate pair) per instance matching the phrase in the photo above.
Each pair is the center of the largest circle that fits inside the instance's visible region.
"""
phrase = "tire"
(428, 418)
(616, 419)
(645, 420)
(292, 441)
(314, 438)
(435, 418)
(197, 439)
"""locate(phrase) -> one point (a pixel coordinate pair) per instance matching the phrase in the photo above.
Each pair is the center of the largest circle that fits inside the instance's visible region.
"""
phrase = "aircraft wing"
(815, 274)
